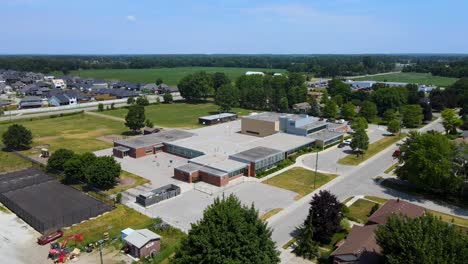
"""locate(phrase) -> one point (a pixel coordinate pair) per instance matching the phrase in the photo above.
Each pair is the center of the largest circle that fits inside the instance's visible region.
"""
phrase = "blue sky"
(233, 26)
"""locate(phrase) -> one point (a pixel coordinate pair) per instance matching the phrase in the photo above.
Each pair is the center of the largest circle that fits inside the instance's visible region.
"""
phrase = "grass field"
(411, 77)
(359, 210)
(373, 149)
(170, 76)
(136, 181)
(299, 180)
(180, 115)
(11, 162)
(77, 132)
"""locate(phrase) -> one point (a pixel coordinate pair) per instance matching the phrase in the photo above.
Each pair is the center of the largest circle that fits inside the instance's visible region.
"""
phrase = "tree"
(306, 246)
(451, 121)
(331, 109)
(148, 123)
(130, 100)
(412, 115)
(389, 115)
(159, 81)
(348, 111)
(368, 111)
(196, 86)
(135, 118)
(314, 107)
(252, 91)
(326, 216)
(359, 123)
(360, 142)
(394, 126)
(227, 97)
(427, 112)
(74, 168)
(338, 99)
(143, 101)
(228, 233)
(57, 160)
(427, 162)
(1, 111)
(425, 239)
(17, 137)
(337, 87)
(390, 98)
(168, 99)
(103, 172)
(100, 107)
(284, 105)
(220, 79)
(112, 106)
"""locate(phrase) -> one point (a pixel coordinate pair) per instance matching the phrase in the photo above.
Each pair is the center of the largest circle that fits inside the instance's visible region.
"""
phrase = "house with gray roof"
(30, 102)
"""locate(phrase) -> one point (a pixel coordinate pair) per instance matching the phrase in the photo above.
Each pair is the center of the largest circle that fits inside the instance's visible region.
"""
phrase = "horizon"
(241, 27)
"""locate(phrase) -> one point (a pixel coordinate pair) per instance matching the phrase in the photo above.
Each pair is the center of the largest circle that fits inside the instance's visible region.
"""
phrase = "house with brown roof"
(361, 246)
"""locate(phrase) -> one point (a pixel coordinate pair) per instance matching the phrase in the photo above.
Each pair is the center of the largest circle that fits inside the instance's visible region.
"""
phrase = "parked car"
(396, 153)
(45, 239)
(342, 145)
(340, 121)
(348, 141)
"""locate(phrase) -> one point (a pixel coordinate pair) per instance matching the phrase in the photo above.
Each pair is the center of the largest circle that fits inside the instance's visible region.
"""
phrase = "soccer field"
(411, 77)
(170, 76)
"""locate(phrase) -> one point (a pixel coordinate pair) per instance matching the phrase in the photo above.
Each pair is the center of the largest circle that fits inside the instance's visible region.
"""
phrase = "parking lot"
(187, 208)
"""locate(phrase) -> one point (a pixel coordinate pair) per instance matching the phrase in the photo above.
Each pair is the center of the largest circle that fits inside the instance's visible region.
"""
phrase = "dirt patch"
(125, 181)
(87, 134)
(45, 139)
(110, 138)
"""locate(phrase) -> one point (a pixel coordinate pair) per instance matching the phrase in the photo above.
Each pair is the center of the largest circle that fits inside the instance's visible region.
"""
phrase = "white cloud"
(130, 18)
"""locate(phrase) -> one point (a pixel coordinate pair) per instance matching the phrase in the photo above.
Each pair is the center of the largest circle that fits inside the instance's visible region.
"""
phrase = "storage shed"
(142, 243)
(215, 119)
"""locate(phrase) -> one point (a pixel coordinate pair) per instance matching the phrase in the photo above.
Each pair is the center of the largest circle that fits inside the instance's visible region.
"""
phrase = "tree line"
(457, 69)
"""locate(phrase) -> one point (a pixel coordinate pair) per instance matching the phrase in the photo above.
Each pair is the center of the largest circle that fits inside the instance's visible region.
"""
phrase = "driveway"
(188, 208)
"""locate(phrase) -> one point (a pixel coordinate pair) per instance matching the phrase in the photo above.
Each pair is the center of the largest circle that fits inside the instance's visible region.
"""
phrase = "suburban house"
(5, 88)
(59, 84)
(361, 246)
(30, 102)
(64, 98)
(35, 89)
(142, 243)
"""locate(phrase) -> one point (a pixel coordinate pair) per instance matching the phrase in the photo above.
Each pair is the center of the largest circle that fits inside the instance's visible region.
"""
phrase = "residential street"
(353, 180)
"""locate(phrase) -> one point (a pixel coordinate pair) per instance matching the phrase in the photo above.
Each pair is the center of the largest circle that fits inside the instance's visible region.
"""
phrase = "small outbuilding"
(143, 243)
(215, 119)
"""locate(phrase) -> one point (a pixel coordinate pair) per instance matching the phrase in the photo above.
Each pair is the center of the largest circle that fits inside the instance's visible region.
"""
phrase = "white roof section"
(254, 73)
(282, 141)
(140, 237)
(218, 162)
(221, 115)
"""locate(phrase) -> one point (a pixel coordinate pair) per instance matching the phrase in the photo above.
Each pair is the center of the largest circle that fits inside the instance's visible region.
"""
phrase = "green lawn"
(11, 162)
(376, 199)
(125, 175)
(77, 132)
(180, 115)
(299, 180)
(359, 210)
(170, 76)
(270, 213)
(411, 77)
(374, 148)
(391, 168)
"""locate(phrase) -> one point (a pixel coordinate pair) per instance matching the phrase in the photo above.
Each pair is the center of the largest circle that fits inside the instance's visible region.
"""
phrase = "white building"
(59, 84)
(254, 73)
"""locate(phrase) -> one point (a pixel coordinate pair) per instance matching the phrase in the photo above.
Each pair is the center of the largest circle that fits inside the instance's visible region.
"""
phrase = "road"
(353, 180)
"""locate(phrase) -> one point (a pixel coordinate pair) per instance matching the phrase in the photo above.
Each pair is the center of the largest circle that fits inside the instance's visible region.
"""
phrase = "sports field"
(170, 76)
(411, 77)
(177, 115)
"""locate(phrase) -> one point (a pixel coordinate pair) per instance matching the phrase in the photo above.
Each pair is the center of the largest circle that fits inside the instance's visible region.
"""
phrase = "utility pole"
(316, 166)
(100, 252)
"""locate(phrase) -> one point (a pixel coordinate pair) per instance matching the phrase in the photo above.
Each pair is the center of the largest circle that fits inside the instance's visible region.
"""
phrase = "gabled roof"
(396, 207)
(141, 237)
(360, 246)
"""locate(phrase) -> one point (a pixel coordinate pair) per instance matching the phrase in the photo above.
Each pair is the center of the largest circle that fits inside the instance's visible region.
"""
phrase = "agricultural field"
(177, 115)
(170, 76)
(77, 132)
(411, 77)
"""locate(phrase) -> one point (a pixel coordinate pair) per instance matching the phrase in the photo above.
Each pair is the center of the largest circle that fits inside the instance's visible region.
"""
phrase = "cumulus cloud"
(130, 18)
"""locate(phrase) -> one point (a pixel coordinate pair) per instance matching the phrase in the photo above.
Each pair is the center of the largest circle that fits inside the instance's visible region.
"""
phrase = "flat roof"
(325, 135)
(221, 115)
(314, 124)
(189, 167)
(283, 141)
(212, 171)
(120, 148)
(256, 154)
(155, 139)
(267, 116)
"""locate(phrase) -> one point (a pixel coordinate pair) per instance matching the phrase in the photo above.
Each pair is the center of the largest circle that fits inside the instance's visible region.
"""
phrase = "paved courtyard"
(187, 208)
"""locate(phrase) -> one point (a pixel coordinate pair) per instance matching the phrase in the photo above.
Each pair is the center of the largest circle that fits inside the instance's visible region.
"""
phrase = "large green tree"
(228, 233)
(74, 168)
(306, 246)
(252, 91)
(389, 115)
(338, 87)
(368, 111)
(56, 161)
(393, 126)
(348, 111)
(142, 100)
(17, 137)
(390, 98)
(359, 123)
(427, 112)
(103, 172)
(314, 107)
(412, 115)
(451, 121)
(227, 97)
(326, 216)
(135, 118)
(196, 86)
(421, 240)
(360, 142)
(331, 109)
(220, 79)
(427, 161)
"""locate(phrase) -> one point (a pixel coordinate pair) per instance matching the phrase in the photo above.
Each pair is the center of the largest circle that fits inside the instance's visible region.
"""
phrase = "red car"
(45, 239)
(396, 153)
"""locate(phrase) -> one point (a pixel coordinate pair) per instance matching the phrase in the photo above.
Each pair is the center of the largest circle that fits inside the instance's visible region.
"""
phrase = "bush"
(100, 107)
(57, 160)
(17, 137)
(168, 98)
(143, 101)
(118, 198)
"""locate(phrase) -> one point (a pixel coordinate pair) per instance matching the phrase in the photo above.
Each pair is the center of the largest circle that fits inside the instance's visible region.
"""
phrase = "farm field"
(177, 115)
(77, 132)
(411, 77)
(170, 76)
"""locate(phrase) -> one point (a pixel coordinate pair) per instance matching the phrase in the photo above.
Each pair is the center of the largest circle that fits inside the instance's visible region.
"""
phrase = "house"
(142, 243)
(63, 99)
(360, 246)
(317, 95)
(150, 87)
(59, 84)
(100, 83)
(302, 108)
(18, 85)
(4, 88)
(30, 102)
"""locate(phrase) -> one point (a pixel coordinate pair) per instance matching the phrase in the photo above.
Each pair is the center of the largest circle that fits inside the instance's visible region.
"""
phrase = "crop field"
(177, 115)
(170, 76)
(411, 77)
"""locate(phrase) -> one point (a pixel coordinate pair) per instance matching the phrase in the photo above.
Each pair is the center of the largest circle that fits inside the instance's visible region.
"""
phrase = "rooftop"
(325, 135)
(189, 167)
(256, 154)
(392, 207)
(361, 244)
(140, 237)
(267, 116)
(221, 115)
(155, 139)
(282, 141)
